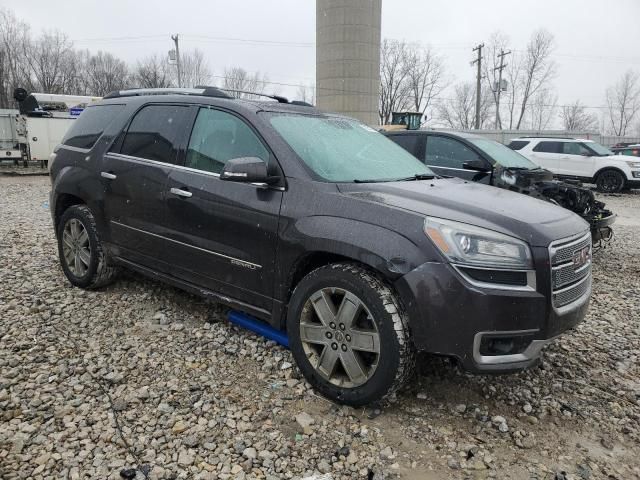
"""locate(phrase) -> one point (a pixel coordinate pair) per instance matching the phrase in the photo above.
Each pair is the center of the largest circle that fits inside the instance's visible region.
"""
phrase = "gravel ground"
(140, 374)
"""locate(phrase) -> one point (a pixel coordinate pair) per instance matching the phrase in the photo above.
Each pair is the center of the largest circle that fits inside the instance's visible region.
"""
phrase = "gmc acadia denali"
(321, 227)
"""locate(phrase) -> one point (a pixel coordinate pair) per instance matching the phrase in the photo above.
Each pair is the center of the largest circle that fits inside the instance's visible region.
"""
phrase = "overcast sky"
(596, 40)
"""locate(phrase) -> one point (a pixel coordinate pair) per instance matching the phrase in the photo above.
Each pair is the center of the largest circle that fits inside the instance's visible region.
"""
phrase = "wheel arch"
(610, 167)
(62, 202)
(325, 240)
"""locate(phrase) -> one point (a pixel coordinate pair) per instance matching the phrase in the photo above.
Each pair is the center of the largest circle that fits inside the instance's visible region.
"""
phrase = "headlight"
(467, 244)
(633, 164)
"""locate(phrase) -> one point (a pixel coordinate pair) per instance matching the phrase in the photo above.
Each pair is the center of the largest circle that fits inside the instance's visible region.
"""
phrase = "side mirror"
(478, 165)
(247, 170)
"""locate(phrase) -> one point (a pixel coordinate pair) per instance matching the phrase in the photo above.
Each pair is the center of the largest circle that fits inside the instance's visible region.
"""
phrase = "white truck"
(9, 141)
(43, 120)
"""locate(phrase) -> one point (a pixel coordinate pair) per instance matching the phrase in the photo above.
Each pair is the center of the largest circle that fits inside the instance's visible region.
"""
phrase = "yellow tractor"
(403, 121)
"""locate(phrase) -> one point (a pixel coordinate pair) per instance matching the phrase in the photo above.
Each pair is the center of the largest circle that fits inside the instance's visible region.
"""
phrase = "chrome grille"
(563, 250)
(568, 283)
(565, 274)
(566, 296)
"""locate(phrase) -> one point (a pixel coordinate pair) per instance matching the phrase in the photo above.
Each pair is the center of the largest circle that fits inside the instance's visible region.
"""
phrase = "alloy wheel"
(75, 247)
(610, 181)
(340, 337)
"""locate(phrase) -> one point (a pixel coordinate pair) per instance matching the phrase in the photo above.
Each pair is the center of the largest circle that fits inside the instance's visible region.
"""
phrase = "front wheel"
(610, 181)
(348, 334)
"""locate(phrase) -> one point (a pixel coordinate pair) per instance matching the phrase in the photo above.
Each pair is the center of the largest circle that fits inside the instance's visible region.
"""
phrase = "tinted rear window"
(518, 144)
(90, 124)
(154, 132)
(548, 147)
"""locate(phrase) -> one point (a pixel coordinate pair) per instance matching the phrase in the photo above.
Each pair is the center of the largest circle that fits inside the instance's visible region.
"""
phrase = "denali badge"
(581, 257)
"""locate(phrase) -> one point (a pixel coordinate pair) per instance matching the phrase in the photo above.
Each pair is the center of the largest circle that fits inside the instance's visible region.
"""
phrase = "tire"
(82, 256)
(610, 181)
(372, 354)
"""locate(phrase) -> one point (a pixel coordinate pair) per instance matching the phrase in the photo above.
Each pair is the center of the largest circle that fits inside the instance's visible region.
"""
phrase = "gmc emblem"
(581, 257)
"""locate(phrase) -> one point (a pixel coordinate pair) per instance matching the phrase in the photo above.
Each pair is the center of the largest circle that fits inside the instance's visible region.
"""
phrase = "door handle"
(181, 193)
(108, 176)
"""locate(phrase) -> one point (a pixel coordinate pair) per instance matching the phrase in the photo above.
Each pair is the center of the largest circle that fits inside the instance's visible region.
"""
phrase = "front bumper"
(450, 316)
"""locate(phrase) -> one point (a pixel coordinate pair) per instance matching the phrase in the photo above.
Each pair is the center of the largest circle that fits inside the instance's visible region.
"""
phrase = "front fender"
(386, 251)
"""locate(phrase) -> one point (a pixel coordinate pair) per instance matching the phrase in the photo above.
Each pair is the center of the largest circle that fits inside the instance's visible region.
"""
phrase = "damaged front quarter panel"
(567, 194)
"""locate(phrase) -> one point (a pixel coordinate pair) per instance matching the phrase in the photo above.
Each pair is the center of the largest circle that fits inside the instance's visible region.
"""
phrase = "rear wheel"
(81, 253)
(349, 335)
(610, 181)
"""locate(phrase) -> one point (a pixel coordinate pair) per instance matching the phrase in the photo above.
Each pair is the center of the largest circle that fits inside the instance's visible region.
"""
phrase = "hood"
(536, 221)
(626, 158)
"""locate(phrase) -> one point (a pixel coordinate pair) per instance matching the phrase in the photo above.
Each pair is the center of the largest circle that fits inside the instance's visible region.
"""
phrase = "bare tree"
(47, 58)
(575, 118)
(537, 69)
(152, 72)
(105, 73)
(394, 88)
(239, 79)
(14, 72)
(542, 109)
(425, 78)
(459, 111)
(194, 69)
(307, 93)
(623, 102)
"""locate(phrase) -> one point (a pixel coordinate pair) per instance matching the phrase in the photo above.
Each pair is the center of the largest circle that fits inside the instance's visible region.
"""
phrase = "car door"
(576, 160)
(546, 155)
(134, 174)
(447, 156)
(222, 234)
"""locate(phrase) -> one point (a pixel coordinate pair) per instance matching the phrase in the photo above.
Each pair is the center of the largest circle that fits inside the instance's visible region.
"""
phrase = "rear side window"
(218, 137)
(448, 153)
(86, 130)
(411, 143)
(574, 148)
(518, 144)
(548, 147)
(154, 133)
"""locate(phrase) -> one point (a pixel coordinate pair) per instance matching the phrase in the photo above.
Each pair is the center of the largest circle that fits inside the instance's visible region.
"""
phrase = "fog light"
(504, 345)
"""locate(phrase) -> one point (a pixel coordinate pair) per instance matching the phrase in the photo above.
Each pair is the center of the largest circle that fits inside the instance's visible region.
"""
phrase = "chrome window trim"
(141, 160)
(233, 260)
(529, 287)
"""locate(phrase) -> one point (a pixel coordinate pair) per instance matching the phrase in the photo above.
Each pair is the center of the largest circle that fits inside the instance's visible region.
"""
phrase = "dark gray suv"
(321, 227)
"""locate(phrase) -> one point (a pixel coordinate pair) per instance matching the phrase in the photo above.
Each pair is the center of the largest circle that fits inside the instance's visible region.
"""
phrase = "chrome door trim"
(233, 260)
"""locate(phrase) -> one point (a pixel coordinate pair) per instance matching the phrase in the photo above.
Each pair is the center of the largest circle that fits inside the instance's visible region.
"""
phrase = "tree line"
(49, 63)
(412, 78)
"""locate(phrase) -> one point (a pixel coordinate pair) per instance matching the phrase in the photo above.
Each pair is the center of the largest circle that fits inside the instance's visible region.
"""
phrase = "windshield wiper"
(418, 176)
(374, 180)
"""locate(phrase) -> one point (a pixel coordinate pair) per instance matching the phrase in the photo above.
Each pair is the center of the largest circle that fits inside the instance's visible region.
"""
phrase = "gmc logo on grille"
(581, 257)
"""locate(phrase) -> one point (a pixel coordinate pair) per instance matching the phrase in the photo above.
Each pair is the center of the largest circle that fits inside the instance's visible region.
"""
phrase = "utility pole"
(500, 68)
(478, 61)
(175, 40)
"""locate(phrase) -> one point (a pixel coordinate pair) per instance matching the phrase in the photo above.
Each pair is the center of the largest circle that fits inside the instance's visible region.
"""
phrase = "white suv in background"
(585, 160)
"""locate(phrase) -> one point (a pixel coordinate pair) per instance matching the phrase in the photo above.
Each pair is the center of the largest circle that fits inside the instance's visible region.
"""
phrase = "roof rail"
(274, 97)
(547, 136)
(200, 91)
